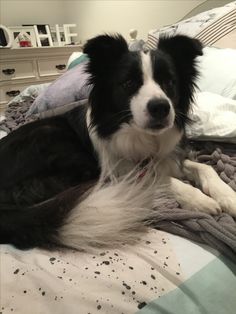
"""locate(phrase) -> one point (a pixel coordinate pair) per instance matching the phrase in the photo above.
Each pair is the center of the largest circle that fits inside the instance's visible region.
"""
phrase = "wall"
(96, 16)
(18, 12)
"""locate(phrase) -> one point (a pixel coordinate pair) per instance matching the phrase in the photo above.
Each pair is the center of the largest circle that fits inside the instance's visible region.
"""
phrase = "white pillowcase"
(218, 72)
(214, 118)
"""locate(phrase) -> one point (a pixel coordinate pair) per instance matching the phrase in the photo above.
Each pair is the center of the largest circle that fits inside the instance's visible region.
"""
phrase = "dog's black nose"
(158, 108)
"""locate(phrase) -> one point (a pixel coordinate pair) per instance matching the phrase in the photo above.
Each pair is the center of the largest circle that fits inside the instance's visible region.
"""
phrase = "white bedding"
(214, 118)
(218, 72)
(160, 268)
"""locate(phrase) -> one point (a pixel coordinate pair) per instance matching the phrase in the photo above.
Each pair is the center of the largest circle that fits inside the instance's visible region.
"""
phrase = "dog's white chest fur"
(134, 144)
(131, 145)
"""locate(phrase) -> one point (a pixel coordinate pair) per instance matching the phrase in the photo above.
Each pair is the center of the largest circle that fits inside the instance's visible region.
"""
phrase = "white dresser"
(22, 67)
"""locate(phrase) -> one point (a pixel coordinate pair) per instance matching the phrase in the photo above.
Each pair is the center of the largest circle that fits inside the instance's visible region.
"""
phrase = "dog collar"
(143, 167)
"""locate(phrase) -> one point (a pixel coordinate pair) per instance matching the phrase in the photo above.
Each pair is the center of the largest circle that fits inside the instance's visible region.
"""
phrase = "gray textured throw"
(16, 115)
(217, 231)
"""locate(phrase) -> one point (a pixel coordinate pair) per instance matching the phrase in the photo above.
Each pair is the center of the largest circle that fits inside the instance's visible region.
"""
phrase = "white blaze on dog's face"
(150, 106)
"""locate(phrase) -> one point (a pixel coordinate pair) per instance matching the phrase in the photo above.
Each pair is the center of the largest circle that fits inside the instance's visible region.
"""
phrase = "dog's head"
(152, 91)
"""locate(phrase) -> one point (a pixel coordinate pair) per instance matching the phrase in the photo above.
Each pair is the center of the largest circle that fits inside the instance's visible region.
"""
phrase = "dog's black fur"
(40, 161)
(44, 158)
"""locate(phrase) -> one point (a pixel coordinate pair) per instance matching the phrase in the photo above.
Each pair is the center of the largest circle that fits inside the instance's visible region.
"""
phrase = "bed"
(177, 267)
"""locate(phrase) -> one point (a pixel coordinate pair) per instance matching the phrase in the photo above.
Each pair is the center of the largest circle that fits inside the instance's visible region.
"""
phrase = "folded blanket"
(217, 231)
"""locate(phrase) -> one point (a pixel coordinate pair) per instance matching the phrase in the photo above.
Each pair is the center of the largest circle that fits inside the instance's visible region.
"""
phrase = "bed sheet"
(162, 273)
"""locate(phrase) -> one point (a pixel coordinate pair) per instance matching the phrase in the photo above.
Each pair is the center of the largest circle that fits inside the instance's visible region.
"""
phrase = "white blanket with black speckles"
(161, 274)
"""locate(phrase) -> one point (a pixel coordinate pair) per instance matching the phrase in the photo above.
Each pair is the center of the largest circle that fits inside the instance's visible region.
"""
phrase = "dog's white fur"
(148, 91)
(117, 210)
(210, 183)
(113, 213)
(121, 201)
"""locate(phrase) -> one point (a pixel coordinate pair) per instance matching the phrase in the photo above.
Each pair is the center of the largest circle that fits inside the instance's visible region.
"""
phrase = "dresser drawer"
(48, 67)
(7, 93)
(16, 70)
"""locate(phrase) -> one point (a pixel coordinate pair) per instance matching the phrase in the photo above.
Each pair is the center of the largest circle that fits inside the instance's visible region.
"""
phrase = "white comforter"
(115, 281)
(214, 118)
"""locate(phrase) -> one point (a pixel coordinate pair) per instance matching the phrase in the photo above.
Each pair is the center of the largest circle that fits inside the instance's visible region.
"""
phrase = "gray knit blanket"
(217, 231)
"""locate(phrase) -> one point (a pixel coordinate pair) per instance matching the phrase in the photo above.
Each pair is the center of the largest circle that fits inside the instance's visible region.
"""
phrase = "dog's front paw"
(198, 201)
(222, 194)
(226, 198)
(191, 198)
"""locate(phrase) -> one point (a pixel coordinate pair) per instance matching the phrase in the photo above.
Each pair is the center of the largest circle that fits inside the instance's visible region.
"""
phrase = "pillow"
(208, 26)
(214, 118)
(228, 40)
(75, 59)
(62, 109)
(218, 71)
(219, 26)
(70, 87)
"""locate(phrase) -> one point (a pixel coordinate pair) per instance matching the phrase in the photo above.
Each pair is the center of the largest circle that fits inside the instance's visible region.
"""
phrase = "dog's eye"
(128, 84)
(168, 85)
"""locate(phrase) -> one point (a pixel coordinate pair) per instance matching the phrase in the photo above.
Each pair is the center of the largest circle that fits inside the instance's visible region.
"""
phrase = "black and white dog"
(114, 157)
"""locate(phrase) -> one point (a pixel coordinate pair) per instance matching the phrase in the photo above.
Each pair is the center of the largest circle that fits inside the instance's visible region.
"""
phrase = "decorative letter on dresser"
(22, 67)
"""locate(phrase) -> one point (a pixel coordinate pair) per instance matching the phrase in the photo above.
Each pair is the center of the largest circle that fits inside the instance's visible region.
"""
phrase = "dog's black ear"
(181, 48)
(183, 51)
(104, 51)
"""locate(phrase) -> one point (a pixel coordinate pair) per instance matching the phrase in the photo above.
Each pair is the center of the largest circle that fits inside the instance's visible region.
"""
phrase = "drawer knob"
(13, 93)
(8, 71)
(61, 66)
